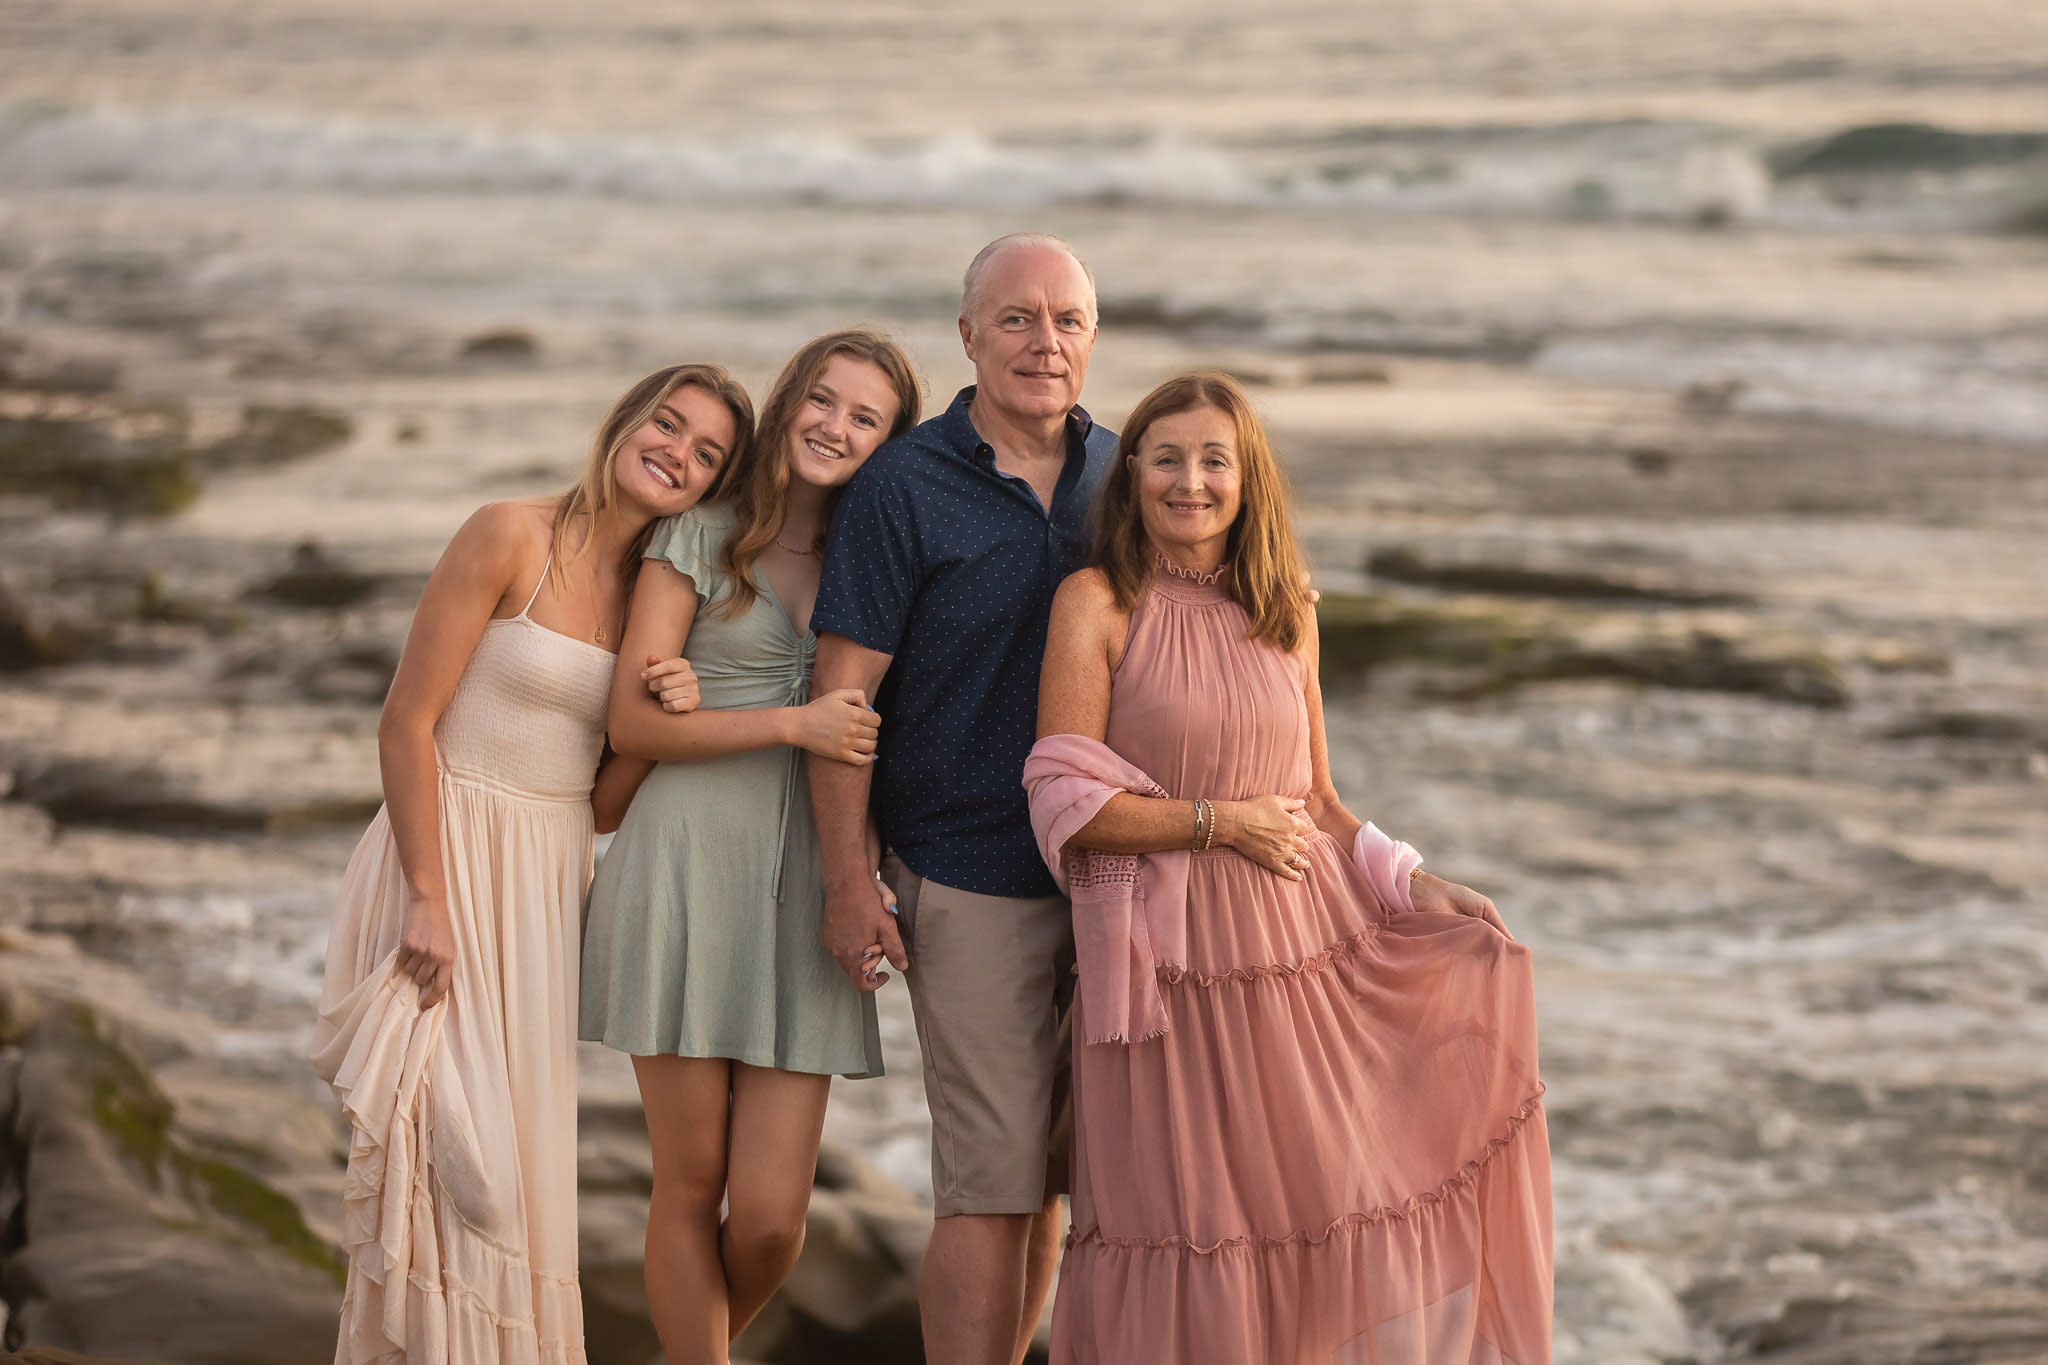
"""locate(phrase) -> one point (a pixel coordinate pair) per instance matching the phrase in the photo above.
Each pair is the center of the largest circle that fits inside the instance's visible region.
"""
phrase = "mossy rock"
(1403, 565)
(132, 1109)
(136, 459)
(1360, 632)
(81, 463)
(277, 435)
(1486, 649)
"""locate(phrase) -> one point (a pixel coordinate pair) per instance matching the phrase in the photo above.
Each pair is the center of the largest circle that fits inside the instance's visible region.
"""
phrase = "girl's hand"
(1272, 831)
(838, 725)
(1434, 893)
(673, 683)
(426, 949)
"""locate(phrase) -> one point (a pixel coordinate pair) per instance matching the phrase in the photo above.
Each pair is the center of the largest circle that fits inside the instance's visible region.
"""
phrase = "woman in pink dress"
(1307, 1113)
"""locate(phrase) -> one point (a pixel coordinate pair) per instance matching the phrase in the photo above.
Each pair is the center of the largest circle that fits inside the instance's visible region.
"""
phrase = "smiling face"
(849, 410)
(672, 461)
(1188, 470)
(1029, 329)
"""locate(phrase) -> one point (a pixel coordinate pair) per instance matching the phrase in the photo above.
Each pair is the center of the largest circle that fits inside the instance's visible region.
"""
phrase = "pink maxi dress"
(1336, 1151)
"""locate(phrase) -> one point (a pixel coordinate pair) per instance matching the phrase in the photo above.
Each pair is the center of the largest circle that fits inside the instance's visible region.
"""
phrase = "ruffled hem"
(1460, 1273)
(1179, 974)
(467, 1295)
(1466, 1176)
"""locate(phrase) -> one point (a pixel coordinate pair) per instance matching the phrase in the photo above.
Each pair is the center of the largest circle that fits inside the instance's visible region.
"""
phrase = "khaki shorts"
(990, 978)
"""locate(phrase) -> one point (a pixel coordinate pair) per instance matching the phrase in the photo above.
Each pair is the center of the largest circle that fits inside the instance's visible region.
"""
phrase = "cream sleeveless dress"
(460, 1200)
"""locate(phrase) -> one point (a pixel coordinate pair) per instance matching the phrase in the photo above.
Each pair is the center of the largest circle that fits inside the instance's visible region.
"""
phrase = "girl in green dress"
(701, 954)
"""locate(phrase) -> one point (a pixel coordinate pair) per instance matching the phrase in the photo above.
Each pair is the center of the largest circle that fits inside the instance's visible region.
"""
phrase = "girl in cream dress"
(447, 1023)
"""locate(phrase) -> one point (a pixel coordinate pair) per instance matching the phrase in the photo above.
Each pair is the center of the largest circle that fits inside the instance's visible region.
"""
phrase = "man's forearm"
(839, 802)
(839, 791)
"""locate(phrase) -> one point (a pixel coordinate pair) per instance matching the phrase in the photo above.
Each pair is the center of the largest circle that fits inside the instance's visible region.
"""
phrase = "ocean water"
(1790, 991)
(1825, 207)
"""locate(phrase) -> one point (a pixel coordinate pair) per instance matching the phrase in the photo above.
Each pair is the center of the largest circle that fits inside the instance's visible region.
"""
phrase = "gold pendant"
(600, 634)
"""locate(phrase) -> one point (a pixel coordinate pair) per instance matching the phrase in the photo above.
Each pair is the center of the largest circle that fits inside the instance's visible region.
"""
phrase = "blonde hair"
(635, 408)
(1266, 577)
(759, 489)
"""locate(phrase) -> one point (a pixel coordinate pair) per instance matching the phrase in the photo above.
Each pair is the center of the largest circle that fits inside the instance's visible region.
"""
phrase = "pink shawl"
(1131, 909)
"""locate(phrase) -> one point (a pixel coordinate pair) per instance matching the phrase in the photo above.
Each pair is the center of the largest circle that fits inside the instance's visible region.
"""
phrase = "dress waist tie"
(798, 694)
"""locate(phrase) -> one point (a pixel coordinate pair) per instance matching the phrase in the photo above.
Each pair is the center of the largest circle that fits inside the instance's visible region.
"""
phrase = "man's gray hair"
(970, 283)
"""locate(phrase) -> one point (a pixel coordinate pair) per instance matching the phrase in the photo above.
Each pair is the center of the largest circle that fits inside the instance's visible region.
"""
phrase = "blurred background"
(1665, 388)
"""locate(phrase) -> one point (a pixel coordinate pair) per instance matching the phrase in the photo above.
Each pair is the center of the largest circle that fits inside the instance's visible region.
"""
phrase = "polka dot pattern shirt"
(941, 561)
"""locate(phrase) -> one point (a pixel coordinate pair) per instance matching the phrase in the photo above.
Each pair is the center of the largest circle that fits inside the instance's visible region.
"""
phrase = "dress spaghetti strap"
(534, 596)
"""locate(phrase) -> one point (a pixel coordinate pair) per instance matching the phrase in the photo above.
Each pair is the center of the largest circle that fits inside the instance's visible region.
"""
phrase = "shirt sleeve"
(870, 580)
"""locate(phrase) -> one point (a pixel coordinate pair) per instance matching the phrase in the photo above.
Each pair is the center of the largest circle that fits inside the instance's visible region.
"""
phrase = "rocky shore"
(1740, 717)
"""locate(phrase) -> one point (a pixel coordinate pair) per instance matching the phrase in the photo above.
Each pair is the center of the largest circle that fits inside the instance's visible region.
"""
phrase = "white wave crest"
(231, 152)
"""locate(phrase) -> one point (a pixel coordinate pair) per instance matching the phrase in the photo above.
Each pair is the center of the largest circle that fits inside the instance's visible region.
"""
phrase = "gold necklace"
(792, 549)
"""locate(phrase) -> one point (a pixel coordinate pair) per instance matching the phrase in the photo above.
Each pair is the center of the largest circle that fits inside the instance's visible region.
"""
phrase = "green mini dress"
(700, 936)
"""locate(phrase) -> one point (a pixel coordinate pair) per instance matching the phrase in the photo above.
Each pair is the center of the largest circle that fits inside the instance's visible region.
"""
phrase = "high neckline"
(1185, 585)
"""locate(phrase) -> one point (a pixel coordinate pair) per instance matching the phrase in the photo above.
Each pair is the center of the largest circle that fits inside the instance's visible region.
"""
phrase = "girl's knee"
(690, 1191)
(766, 1236)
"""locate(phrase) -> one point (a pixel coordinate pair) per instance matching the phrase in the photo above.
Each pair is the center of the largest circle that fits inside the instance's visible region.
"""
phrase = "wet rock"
(27, 644)
(1615, 584)
(1985, 725)
(127, 461)
(277, 435)
(504, 346)
(1711, 398)
(1309, 373)
(1702, 661)
(1483, 650)
(1650, 460)
(93, 792)
(134, 459)
(139, 1235)
(1151, 312)
(316, 579)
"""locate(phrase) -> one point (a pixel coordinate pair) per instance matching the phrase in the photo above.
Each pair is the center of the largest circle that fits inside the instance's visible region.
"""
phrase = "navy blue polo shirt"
(949, 565)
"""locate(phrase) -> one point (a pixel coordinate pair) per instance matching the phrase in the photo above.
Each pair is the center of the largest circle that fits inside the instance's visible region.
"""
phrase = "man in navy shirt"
(938, 580)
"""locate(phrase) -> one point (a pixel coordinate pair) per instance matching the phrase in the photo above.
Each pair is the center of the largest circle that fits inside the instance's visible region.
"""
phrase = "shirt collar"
(961, 435)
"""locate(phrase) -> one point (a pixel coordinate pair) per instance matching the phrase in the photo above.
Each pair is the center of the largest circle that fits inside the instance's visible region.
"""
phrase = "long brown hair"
(598, 489)
(758, 491)
(1266, 577)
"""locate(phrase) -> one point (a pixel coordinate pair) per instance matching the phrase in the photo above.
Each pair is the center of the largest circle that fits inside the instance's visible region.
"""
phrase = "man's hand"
(859, 930)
